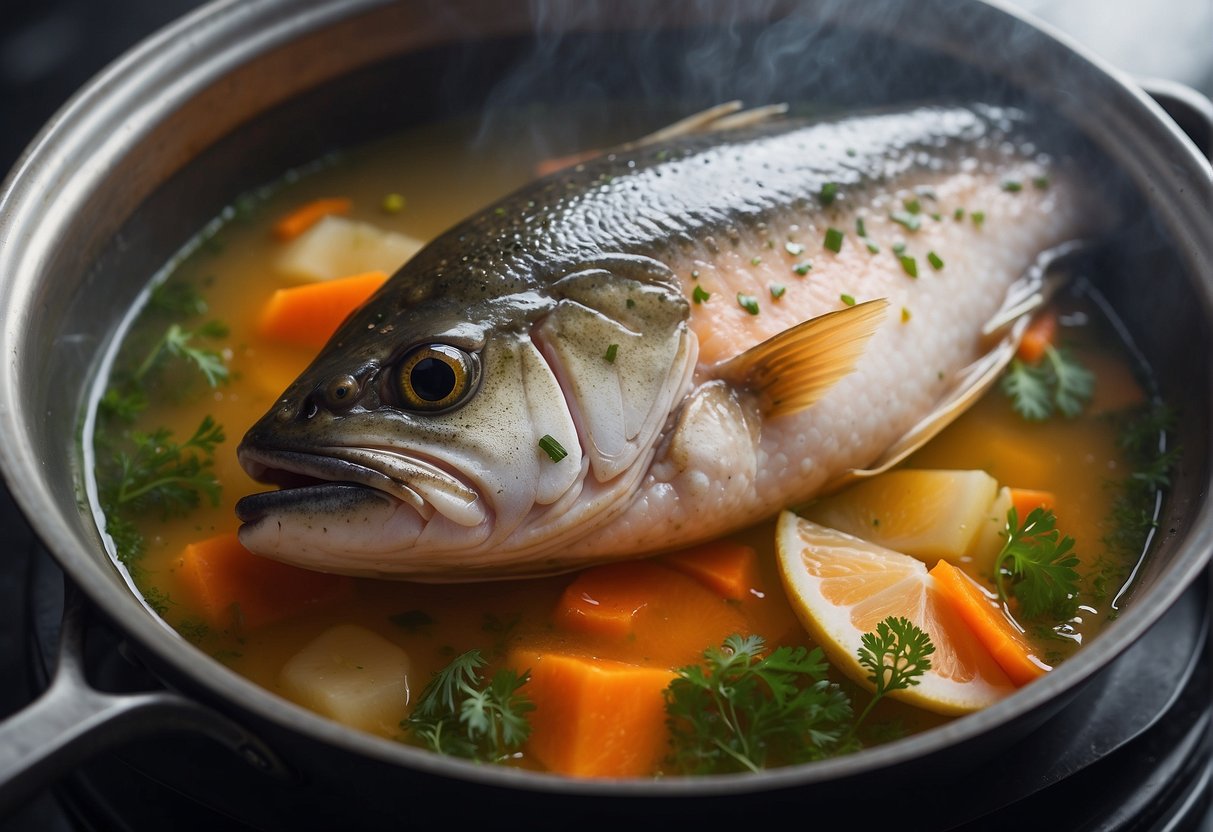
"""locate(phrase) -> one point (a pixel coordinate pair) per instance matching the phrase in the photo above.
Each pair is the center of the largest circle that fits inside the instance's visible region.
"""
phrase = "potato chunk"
(352, 675)
(336, 247)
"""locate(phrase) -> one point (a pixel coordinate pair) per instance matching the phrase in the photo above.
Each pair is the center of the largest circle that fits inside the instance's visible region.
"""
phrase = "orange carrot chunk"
(236, 588)
(1040, 333)
(641, 608)
(1026, 499)
(723, 566)
(308, 315)
(308, 214)
(594, 717)
(988, 623)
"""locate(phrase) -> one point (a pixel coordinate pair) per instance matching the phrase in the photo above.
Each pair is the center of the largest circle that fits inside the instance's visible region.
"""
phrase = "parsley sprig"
(896, 654)
(1036, 566)
(744, 711)
(1058, 383)
(460, 714)
(161, 473)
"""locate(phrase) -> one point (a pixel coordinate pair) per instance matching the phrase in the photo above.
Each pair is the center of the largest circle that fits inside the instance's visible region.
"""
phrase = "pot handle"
(72, 721)
(1190, 109)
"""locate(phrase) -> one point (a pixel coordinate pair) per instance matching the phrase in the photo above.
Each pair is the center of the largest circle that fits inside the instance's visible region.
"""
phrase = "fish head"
(452, 435)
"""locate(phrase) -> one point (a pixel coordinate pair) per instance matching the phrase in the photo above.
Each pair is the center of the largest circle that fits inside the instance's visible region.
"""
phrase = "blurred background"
(50, 48)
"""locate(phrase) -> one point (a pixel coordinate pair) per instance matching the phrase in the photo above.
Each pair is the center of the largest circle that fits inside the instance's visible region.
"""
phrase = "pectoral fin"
(792, 370)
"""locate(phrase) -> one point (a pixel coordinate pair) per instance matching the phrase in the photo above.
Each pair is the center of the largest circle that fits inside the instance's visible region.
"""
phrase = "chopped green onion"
(860, 229)
(777, 290)
(834, 240)
(393, 203)
(699, 295)
(1041, 183)
(1012, 185)
(978, 218)
(958, 214)
(612, 351)
(748, 302)
(937, 216)
(899, 248)
(829, 192)
(552, 448)
(755, 260)
(803, 268)
(872, 247)
(913, 206)
(910, 221)
(909, 264)
(794, 249)
(935, 260)
(849, 300)
(499, 210)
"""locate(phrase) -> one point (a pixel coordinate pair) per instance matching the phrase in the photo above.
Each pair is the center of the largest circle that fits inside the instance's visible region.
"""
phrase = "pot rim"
(184, 58)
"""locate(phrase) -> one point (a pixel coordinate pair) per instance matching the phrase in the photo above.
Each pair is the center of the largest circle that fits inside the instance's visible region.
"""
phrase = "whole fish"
(661, 346)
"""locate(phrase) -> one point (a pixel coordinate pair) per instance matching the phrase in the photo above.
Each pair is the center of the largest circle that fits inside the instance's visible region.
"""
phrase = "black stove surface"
(1137, 754)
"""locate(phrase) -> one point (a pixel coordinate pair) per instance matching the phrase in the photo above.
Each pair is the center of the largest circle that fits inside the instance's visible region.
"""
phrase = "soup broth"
(417, 185)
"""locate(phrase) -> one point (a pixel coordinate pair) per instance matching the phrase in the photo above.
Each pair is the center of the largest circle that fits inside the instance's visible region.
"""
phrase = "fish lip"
(331, 465)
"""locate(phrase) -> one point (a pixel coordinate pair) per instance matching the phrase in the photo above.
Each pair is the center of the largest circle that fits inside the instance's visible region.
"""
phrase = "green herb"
(176, 298)
(899, 249)
(1039, 564)
(958, 214)
(122, 404)
(630, 303)
(699, 295)
(794, 249)
(1057, 383)
(909, 265)
(1041, 183)
(611, 351)
(745, 711)
(777, 290)
(828, 193)
(978, 217)
(460, 715)
(895, 656)
(159, 473)
(913, 206)
(393, 203)
(860, 228)
(554, 450)
(412, 620)
(935, 215)
(179, 342)
(754, 261)
(803, 268)
(833, 240)
(911, 221)
(748, 302)
(849, 300)
(1012, 186)
(935, 260)
(872, 247)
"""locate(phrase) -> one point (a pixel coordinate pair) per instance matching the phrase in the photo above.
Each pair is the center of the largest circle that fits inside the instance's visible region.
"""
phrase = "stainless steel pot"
(241, 90)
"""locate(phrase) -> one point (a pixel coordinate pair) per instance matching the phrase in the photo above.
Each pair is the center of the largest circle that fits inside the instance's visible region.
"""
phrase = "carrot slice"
(644, 612)
(988, 623)
(308, 214)
(1026, 499)
(236, 588)
(308, 315)
(723, 566)
(594, 717)
(1040, 333)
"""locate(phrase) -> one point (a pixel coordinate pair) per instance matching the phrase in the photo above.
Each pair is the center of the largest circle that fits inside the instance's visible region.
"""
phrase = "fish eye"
(341, 392)
(436, 377)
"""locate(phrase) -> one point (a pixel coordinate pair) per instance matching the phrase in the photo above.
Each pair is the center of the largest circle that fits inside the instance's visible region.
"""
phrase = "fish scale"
(706, 417)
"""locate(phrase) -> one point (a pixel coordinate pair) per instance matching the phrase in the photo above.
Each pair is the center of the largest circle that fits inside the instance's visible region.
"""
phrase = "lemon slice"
(929, 514)
(842, 586)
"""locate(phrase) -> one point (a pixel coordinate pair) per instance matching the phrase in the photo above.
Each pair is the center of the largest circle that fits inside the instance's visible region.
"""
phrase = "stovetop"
(1137, 756)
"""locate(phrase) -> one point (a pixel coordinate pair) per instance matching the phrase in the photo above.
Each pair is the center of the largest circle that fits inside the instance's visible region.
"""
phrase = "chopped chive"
(777, 290)
(748, 302)
(699, 295)
(872, 247)
(393, 203)
(552, 448)
(829, 192)
(909, 264)
(612, 351)
(937, 216)
(958, 214)
(978, 218)
(1041, 183)
(1012, 185)
(833, 240)
(755, 260)
(849, 300)
(803, 268)
(794, 249)
(860, 228)
(910, 221)
(905, 315)
(899, 248)
(913, 206)
(935, 260)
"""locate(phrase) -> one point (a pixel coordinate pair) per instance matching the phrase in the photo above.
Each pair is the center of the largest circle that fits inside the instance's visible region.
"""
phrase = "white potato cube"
(352, 675)
(338, 247)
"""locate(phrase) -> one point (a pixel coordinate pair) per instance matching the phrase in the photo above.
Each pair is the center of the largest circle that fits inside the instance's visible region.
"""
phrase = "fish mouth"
(303, 476)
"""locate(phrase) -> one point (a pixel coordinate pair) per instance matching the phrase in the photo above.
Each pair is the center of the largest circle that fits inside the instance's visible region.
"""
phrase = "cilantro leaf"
(1058, 383)
(459, 715)
(895, 655)
(743, 711)
(1040, 565)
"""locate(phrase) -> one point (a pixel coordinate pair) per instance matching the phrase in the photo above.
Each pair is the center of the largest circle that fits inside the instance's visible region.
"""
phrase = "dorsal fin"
(1003, 333)
(791, 370)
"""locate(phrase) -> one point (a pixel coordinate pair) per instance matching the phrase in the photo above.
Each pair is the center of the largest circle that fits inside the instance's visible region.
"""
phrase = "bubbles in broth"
(199, 363)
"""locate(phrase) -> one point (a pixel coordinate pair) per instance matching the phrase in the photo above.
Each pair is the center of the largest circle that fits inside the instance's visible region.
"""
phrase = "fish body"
(709, 330)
